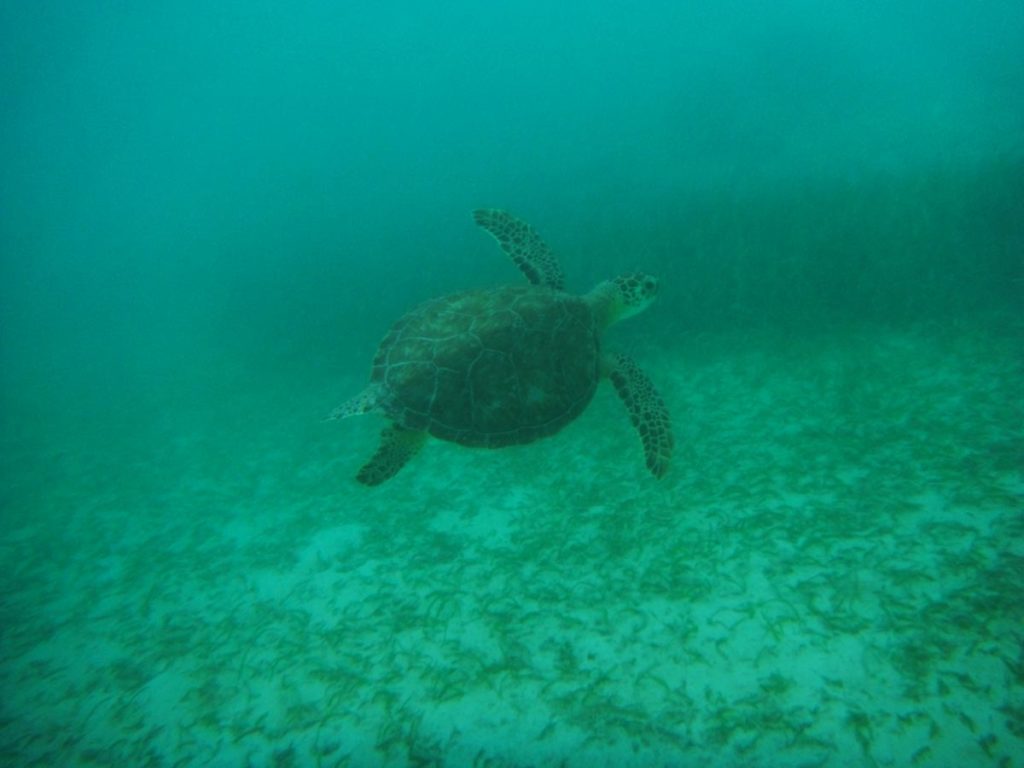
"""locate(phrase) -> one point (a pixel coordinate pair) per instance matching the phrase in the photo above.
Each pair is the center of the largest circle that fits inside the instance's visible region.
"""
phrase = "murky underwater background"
(209, 216)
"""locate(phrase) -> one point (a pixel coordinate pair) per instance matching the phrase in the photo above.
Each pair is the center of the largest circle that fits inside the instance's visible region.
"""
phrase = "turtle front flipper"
(646, 409)
(524, 246)
(397, 446)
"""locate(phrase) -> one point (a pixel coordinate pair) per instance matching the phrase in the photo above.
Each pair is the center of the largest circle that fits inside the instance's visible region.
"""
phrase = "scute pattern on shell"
(490, 367)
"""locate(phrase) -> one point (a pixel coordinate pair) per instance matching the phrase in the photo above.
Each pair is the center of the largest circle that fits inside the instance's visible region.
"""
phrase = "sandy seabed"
(832, 574)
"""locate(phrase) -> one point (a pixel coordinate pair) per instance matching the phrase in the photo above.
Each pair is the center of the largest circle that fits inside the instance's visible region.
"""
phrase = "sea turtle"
(507, 365)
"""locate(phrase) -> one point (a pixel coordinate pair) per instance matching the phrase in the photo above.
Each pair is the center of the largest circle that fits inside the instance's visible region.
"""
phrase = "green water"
(209, 217)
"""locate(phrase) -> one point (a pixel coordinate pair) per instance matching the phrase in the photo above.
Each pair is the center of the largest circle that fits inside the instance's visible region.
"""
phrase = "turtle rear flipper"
(367, 401)
(524, 246)
(646, 409)
(397, 446)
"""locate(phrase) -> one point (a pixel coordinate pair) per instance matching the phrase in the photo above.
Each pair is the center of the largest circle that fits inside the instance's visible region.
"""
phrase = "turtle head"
(623, 297)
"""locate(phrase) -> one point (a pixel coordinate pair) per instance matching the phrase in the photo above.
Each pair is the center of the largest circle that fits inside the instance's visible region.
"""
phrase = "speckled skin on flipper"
(397, 446)
(507, 365)
(646, 409)
(524, 246)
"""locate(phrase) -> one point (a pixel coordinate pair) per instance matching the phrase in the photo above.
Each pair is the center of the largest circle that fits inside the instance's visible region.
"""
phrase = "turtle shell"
(490, 367)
